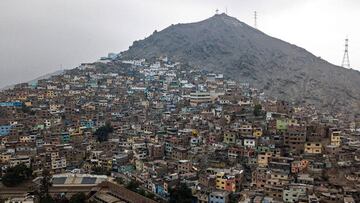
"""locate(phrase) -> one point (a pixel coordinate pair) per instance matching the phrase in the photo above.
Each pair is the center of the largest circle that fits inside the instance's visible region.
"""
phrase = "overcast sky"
(39, 36)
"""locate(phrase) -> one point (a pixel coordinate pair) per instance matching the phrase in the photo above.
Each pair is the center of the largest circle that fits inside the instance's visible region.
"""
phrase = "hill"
(226, 45)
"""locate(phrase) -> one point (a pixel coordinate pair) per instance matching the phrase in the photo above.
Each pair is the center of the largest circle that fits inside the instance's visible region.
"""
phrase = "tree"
(119, 180)
(181, 194)
(98, 170)
(141, 192)
(132, 185)
(47, 199)
(233, 198)
(27, 109)
(78, 198)
(257, 110)
(103, 132)
(150, 195)
(14, 176)
(61, 198)
(45, 184)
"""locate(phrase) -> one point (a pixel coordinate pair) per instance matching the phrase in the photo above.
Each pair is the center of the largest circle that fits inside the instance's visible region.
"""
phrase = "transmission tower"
(346, 62)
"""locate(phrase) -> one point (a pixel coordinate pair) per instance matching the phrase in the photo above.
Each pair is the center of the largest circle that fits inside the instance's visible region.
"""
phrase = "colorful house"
(313, 148)
(335, 138)
(281, 125)
(5, 130)
(298, 166)
(257, 132)
(228, 182)
(65, 137)
(229, 138)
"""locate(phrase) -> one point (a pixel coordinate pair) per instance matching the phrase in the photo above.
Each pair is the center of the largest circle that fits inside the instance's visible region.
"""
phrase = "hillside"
(226, 45)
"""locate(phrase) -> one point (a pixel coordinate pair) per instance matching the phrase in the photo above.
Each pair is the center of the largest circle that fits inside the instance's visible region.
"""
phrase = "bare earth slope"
(226, 45)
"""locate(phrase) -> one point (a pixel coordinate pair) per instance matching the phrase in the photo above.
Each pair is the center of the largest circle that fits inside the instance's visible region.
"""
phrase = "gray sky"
(38, 36)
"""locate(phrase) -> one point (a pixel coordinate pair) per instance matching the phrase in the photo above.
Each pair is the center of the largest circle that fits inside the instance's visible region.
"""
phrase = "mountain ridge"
(224, 44)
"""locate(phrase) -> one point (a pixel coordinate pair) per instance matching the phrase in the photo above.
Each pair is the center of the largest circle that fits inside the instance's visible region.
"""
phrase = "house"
(219, 197)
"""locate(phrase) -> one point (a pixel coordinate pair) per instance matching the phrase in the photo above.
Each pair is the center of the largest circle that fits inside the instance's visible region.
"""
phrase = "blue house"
(219, 197)
(87, 124)
(11, 104)
(65, 137)
(5, 130)
(160, 190)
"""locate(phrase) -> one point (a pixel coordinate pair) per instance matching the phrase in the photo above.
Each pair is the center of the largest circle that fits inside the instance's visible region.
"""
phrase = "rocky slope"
(226, 45)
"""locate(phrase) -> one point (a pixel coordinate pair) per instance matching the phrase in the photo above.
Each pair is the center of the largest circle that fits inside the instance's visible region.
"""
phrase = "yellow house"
(226, 182)
(54, 107)
(257, 132)
(220, 182)
(24, 138)
(87, 166)
(4, 140)
(194, 133)
(336, 138)
(76, 132)
(292, 122)
(22, 97)
(28, 103)
(263, 159)
(313, 148)
(228, 118)
(50, 94)
(5, 158)
(40, 97)
(139, 165)
(229, 138)
(106, 163)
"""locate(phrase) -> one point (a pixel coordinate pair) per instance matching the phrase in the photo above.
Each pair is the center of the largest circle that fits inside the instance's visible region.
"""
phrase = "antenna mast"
(346, 62)
(217, 11)
(255, 19)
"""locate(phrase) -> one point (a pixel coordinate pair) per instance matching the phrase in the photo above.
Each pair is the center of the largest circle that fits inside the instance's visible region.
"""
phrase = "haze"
(41, 36)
